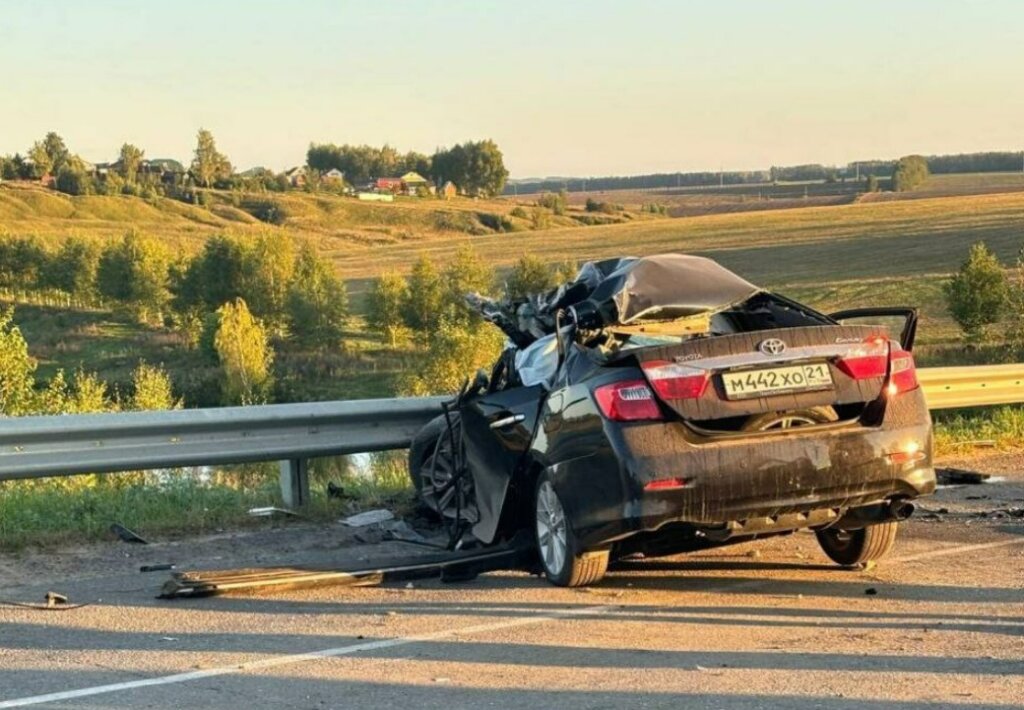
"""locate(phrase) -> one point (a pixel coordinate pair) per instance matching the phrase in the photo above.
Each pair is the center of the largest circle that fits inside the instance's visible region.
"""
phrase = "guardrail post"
(295, 482)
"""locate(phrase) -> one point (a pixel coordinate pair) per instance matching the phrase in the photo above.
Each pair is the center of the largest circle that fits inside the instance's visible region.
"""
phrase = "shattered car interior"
(664, 404)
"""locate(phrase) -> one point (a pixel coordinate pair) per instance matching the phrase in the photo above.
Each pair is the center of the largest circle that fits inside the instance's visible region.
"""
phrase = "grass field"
(331, 222)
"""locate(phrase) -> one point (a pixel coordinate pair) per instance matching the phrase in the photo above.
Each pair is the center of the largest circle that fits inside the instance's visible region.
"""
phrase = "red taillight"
(902, 372)
(665, 484)
(627, 401)
(674, 381)
(868, 360)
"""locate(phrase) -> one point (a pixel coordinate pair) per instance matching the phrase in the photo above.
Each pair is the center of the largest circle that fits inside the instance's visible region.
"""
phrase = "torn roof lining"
(671, 286)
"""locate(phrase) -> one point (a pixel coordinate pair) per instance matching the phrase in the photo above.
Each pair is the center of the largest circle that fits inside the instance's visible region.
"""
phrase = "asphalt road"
(766, 625)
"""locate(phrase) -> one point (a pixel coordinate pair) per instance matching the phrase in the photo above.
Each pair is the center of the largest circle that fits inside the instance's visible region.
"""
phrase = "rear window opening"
(765, 311)
(846, 413)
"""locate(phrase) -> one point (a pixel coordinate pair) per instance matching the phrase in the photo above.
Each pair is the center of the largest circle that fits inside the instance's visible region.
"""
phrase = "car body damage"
(662, 404)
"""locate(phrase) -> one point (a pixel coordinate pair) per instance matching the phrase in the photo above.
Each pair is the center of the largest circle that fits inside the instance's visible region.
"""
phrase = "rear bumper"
(743, 478)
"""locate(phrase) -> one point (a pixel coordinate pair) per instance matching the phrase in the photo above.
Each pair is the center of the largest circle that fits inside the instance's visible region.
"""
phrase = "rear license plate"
(745, 384)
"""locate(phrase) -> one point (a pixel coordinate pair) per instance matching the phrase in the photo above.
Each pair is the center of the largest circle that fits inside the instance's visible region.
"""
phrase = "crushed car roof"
(669, 286)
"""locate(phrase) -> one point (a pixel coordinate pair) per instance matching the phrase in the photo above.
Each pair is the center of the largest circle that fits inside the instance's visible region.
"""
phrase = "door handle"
(506, 421)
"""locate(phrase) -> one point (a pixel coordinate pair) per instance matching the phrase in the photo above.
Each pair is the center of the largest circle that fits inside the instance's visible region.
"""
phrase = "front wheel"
(854, 547)
(564, 564)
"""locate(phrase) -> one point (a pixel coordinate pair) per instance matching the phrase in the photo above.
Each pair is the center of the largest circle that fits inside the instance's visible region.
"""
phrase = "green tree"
(317, 302)
(152, 390)
(23, 262)
(425, 302)
(977, 296)
(73, 268)
(872, 184)
(476, 167)
(134, 273)
(529, 274)
(456, 352)
(466, 273)
(246, 357)
(911, 171)
(130, 160)
(384, 306)
(17, 369)
(72, 180)
(215, 276)
(268, 267)
(49, 155)
(209, 165)
(88, 395)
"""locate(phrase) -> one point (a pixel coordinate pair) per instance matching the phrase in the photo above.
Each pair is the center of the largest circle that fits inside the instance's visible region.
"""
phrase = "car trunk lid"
(782, 369)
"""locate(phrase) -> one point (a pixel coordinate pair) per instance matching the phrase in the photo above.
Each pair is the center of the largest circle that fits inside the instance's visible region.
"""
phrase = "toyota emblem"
(772, 346)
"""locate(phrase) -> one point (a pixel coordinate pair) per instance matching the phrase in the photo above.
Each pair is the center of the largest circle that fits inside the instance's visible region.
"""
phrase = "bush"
(557, 202)
(540, 218)
(605, 207)
(520, 212)
(73, 182)
(267, 211)
(977, 296)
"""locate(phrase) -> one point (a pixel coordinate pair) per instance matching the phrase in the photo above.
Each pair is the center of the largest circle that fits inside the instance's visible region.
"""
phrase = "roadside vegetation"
(254, 292)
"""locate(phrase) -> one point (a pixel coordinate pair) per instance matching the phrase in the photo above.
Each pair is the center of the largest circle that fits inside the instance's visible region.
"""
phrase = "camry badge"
(772, 346)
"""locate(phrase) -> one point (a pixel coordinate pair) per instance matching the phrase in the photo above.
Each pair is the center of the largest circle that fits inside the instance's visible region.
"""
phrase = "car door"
(899, 319)
(497, 429)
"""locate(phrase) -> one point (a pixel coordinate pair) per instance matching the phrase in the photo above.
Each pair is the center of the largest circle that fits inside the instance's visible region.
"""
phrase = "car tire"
(429, 477)
(856, 547)
(563, 563)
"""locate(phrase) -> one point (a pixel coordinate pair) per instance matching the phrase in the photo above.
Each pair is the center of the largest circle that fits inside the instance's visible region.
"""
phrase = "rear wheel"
(771, 421)
(563, 563)
(856, 547)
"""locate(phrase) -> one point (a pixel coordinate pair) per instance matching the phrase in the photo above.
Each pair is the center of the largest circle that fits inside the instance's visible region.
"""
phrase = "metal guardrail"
(36, 447)
(975, 386)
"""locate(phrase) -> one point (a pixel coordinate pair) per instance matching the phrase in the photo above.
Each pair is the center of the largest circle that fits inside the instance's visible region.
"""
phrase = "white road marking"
(406, 640)
(298, 658)
(332, 652)
(942, 551)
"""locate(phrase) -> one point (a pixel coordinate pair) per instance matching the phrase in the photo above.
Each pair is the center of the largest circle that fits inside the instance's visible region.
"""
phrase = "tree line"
(477, 167)
(984, 162)
(267, 289)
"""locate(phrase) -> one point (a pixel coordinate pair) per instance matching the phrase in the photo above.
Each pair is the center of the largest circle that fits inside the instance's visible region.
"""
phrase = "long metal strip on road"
(35, 447)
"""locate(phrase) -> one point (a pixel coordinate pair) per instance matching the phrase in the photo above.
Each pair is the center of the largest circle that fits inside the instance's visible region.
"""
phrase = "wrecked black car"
(663, 404)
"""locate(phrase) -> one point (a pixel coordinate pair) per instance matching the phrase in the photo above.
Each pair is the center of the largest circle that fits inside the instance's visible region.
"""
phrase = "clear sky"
(565, 87)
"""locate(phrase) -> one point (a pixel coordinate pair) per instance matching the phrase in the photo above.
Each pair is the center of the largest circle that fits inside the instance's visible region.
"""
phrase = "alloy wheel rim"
(439, 492)
(788, 422)
(551, 529)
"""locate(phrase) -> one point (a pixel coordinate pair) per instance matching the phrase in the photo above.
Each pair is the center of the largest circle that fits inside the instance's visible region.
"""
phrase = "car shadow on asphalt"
(279, 690)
